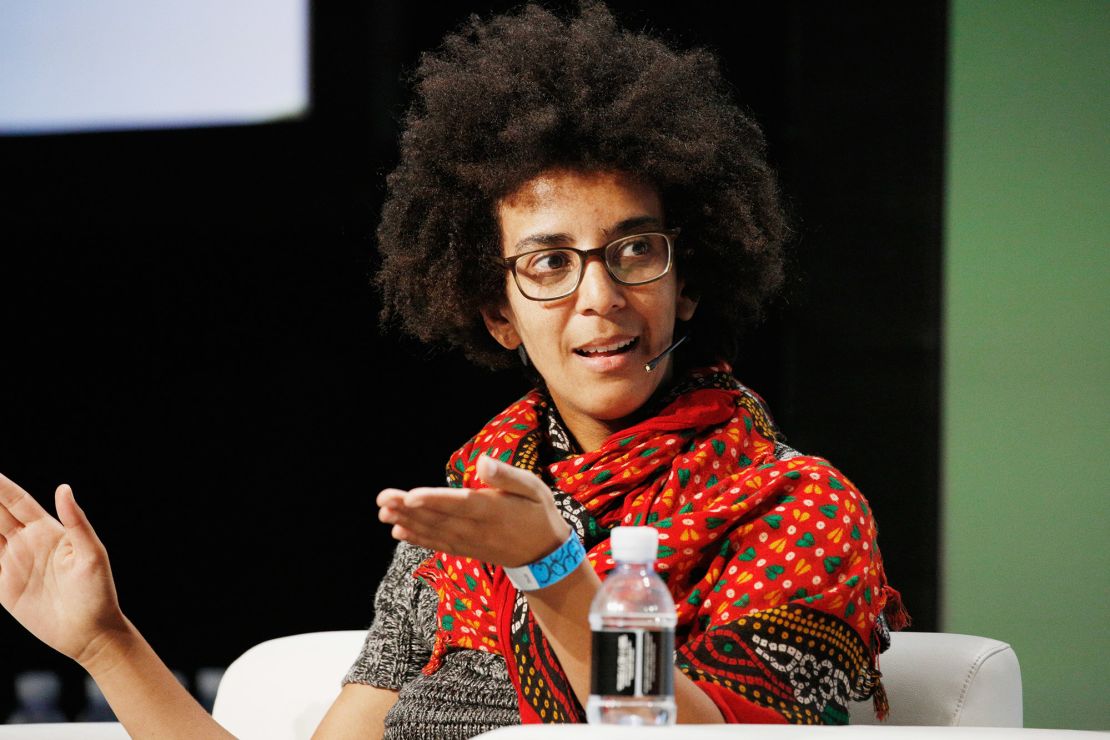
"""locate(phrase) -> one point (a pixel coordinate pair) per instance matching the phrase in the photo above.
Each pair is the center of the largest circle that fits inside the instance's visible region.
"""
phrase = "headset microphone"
(655, 362)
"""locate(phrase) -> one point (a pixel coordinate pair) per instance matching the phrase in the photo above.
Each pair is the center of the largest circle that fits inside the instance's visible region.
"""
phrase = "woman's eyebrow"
(631, 224)
(560, 239)
(542, 240)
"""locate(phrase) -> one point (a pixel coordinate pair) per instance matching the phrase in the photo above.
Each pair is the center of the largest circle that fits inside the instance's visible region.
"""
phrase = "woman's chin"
(613, 400)
(616, 406)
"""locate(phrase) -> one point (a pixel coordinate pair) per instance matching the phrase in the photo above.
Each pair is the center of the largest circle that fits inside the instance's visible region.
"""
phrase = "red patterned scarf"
(770, 556)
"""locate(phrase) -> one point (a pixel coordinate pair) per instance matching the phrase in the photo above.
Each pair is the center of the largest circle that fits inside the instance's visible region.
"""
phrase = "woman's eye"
(637, 248)
(549, 262)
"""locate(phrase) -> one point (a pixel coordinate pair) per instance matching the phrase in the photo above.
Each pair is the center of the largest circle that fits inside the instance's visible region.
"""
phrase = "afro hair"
(504, 100)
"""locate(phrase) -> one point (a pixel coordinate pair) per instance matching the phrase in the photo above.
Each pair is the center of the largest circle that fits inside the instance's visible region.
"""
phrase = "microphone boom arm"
(652, 364)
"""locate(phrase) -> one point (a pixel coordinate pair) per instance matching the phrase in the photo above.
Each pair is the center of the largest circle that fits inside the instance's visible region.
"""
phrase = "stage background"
(1026, 356)
(190, 340)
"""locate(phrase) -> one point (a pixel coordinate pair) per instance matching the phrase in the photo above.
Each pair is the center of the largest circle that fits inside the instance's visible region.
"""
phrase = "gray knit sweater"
(470, 693)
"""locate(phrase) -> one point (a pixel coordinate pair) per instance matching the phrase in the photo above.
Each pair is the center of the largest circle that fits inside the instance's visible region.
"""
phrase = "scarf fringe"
(895, 611)
(897, 618)
(869, 685)
(879, 699)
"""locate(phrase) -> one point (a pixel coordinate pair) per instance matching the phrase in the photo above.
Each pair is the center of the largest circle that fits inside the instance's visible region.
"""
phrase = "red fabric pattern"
(772, 562)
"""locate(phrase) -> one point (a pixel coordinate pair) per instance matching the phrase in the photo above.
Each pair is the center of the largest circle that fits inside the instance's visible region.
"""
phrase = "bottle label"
(633, 662)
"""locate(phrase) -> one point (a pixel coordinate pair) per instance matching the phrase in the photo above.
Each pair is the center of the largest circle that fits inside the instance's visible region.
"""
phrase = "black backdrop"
(188, 335)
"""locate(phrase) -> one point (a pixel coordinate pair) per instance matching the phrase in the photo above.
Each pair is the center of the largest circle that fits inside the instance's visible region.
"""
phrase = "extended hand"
(54, 576)
(513, 523)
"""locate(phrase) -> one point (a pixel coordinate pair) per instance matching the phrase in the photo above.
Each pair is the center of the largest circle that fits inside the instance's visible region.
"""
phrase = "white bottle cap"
(634, 544)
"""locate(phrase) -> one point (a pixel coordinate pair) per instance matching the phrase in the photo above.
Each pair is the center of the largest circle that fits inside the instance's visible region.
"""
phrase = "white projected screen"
(76, 65)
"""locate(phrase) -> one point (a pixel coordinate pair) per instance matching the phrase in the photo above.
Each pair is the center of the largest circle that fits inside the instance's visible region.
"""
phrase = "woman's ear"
(500, 326)
(686, 302)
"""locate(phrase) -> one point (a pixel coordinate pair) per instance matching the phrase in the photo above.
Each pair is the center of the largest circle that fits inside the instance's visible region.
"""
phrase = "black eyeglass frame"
(670, 235)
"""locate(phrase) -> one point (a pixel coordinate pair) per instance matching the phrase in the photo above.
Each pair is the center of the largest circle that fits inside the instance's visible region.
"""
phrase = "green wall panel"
(1026, 428)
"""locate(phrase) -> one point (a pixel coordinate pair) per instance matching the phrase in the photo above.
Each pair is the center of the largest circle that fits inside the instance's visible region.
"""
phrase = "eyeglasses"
(554, 273)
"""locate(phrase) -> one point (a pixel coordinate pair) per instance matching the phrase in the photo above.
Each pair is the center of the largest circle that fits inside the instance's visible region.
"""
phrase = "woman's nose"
(598, 293)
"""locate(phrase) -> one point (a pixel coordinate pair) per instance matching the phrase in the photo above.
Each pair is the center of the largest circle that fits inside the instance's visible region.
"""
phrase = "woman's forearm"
(142, 692)
(563, 610)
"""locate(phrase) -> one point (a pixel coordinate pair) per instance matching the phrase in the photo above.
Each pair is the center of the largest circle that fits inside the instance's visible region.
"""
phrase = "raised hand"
(54, 575)
(512, 523)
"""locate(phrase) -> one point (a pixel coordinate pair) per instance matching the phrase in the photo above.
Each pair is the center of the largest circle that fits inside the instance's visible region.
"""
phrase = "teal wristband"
(549, 569)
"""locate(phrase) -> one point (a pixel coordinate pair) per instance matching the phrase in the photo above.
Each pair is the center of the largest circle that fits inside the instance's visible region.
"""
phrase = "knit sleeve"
(400, 639)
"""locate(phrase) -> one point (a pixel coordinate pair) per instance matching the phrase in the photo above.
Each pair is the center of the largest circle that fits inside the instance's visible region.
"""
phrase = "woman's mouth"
(611, 349)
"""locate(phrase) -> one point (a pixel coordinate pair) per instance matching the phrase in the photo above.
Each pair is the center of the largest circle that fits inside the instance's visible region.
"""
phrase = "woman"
(592, 204)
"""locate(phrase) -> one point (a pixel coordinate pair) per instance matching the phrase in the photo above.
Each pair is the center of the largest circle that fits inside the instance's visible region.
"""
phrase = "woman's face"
(586, 210)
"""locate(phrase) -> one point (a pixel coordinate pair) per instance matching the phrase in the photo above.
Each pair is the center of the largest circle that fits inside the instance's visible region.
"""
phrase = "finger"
(420, 496)
(74, 520)
(19, 503)
(431, 520)
(390, 502)
(446, 500)
(389, 496)
(465, 503)
(9, 525)
(424, 519)
(431, 539)
(433, 527)
(510, 478)
(391, 514)
(400, 533)
(416, 536)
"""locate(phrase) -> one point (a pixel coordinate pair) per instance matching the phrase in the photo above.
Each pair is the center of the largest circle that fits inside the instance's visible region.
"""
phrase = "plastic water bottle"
(633, 619)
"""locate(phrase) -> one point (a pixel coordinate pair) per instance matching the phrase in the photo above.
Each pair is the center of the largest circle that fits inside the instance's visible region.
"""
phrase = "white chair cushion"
(281, 689)
(935, 678)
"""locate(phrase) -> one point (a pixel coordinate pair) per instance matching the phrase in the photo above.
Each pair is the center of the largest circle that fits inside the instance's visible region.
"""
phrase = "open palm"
(54, 575)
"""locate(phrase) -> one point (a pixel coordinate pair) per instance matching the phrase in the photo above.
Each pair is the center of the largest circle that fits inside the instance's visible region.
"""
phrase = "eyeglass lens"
(553, 273)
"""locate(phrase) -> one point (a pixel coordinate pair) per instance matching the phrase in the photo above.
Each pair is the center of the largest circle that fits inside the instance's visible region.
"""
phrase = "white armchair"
(940, 679)
(282, 688)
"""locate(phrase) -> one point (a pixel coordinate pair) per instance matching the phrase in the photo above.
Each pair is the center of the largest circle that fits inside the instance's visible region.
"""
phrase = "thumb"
(74, 520)
(510, 478)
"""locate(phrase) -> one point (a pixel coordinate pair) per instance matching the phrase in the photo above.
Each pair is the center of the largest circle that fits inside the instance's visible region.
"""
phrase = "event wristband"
(549, 569)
